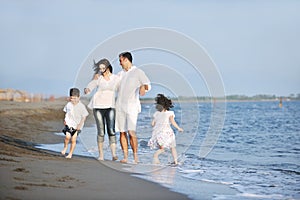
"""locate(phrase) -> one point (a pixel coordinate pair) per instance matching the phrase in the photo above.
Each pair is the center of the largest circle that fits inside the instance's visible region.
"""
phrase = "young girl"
(162, 134)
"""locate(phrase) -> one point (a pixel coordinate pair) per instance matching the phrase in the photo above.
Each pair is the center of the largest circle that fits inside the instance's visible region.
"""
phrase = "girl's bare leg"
(156, 154)
(174, 154)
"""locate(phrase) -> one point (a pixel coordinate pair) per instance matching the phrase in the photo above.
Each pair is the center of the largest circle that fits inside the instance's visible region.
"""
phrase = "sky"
(254, 44)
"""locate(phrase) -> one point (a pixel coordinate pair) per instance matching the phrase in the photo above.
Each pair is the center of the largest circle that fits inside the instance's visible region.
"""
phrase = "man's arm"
(143, 89)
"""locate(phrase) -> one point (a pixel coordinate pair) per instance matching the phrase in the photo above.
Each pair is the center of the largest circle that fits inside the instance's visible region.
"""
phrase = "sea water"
(257, 152)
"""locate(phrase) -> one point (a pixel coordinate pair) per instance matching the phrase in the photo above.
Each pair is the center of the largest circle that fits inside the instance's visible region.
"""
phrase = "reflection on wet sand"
(164, 176)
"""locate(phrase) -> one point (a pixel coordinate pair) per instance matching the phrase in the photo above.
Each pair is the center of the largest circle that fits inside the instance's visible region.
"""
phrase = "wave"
(288, 171)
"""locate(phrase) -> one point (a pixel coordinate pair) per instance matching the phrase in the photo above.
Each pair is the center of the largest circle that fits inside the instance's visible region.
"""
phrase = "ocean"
(256, 153)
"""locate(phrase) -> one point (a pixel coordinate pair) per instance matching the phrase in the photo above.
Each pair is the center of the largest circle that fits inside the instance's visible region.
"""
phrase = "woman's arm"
(92, 85)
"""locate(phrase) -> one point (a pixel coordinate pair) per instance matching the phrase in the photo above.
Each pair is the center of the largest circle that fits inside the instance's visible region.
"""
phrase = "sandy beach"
(31, 173)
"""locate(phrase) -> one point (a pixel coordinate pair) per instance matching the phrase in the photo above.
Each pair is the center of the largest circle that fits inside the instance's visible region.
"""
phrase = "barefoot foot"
(100, 159)
(114, 158)
(135, 157)
(69, 156)
(63, 152)
(156, 161)
(136, 161)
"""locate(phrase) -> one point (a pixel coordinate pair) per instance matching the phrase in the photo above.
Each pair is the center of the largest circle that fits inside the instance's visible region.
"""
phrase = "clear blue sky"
(254, 44)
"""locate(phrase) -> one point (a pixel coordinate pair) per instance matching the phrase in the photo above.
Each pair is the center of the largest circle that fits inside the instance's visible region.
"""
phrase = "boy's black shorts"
(71, 130)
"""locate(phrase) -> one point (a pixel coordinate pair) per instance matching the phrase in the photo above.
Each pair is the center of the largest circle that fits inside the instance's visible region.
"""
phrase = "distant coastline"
(23, 96)
(232, 98)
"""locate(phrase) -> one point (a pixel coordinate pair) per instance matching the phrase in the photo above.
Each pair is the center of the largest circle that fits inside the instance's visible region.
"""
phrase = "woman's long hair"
(103, 61)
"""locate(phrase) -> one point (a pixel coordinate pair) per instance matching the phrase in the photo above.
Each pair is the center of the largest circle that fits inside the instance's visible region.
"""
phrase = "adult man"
(134, 83)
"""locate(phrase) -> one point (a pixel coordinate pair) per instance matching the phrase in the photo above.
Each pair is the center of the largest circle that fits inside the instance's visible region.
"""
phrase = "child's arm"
(173, 122)
(153, 123)
(79, 126)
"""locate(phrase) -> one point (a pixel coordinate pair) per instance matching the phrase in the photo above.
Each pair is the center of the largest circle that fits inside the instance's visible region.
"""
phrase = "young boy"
(76, 114)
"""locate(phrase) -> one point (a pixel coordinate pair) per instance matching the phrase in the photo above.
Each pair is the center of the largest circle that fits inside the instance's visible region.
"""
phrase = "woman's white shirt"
(106, 92)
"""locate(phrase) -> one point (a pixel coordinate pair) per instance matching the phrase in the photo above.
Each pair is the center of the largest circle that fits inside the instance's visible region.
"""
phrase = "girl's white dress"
(162, 134)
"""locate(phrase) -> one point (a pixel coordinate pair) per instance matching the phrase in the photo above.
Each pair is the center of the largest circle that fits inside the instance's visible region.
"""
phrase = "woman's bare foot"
(123, 161)
(100, 158)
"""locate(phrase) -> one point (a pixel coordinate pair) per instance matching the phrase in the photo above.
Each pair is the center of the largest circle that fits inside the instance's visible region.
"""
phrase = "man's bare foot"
(69, 156)
(114, 158)
(123, 161)
(136, 159)
(63, 152)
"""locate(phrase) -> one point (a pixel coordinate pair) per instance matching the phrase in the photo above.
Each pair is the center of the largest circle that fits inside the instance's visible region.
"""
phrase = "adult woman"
(103, 104)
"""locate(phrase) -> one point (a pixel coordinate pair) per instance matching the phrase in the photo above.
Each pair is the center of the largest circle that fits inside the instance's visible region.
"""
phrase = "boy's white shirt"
(74, 114)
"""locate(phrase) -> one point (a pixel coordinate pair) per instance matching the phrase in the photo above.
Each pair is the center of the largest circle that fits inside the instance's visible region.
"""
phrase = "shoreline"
(31, 173)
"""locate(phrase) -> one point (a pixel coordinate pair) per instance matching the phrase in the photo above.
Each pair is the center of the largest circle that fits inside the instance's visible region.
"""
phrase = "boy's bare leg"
(66, 142)
(100, 149)
(134, 145)
(73, 144)
(174, 154)
(124, 145)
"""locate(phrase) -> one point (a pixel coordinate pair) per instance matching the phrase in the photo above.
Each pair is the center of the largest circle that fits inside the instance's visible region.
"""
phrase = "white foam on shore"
(79, 150)
(260, 196)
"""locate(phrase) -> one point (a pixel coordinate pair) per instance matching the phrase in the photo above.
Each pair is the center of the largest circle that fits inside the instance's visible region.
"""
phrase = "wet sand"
(31, 173)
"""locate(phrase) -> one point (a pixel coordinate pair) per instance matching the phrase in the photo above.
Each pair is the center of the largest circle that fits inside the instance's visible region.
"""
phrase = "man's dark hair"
(74, 92)
(126, 55)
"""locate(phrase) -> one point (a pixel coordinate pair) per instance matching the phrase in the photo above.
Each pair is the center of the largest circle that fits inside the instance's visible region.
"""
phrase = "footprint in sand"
(65, 179)
(21, 170)
(20, 188)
